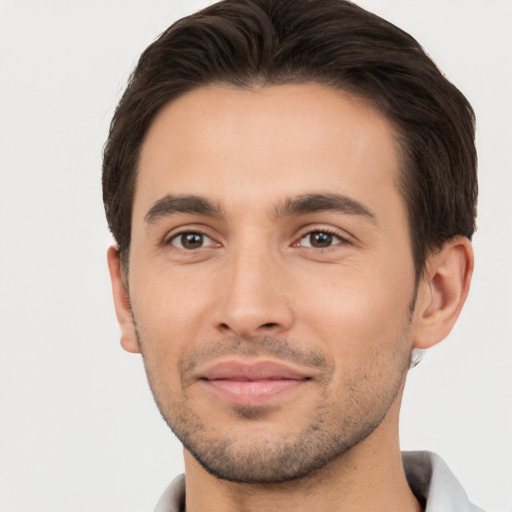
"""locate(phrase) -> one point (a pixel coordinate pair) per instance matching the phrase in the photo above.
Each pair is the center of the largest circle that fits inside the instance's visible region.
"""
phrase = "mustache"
(269, 346)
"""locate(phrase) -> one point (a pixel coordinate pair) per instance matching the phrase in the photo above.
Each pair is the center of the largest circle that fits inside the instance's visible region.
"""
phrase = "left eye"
(191, 240)
(320, 240)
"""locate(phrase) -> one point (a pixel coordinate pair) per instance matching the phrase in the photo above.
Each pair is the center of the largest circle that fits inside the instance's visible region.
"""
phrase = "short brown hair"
(251, 43)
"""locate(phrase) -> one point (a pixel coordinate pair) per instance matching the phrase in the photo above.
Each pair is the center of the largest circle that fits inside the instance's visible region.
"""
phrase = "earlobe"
(122, 304)
(443, 291)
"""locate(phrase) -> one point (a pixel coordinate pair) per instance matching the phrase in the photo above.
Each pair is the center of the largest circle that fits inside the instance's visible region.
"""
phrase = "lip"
(252, 383)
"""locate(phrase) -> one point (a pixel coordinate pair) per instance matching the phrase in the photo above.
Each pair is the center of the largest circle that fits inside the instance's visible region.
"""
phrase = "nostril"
(247, 330)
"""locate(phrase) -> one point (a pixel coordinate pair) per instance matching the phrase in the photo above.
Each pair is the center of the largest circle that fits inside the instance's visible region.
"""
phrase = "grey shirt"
(429, 477)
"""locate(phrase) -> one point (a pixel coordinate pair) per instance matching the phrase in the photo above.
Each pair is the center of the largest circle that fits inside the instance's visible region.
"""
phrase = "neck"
(368, 477)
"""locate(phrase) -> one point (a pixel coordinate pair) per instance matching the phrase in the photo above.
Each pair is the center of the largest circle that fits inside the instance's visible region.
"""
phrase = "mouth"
(252, 383)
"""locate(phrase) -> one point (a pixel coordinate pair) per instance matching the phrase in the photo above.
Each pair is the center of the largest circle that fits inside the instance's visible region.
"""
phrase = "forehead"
(253, 147)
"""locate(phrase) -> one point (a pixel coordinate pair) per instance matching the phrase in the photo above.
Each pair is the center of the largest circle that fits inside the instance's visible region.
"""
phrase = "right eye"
(191, 240)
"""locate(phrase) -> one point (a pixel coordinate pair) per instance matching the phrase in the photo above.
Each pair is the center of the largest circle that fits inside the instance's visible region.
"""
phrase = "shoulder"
(173, 498)
(432, 481)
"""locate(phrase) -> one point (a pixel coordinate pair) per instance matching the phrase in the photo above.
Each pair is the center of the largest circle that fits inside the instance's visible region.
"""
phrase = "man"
(292, 189)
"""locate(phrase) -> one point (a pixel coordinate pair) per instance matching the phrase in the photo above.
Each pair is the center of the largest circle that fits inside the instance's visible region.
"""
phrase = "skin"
(327, 293)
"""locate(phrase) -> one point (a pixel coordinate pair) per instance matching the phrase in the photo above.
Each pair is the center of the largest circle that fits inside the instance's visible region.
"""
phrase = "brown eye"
(320, 240)
(191, 240)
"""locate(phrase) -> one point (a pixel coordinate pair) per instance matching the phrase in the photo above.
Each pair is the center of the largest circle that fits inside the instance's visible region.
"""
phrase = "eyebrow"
(301, 205)
(311, 203)
(172, 205)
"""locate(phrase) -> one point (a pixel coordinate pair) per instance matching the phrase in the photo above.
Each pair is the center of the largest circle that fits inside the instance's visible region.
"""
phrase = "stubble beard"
(334, 428)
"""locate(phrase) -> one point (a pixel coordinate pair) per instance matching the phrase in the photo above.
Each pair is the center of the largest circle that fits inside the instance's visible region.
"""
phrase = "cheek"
(169, 308)
(364, 331)
(358, 310)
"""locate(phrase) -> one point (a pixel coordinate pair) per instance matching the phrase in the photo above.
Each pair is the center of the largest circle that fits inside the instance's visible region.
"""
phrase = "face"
(271, 276)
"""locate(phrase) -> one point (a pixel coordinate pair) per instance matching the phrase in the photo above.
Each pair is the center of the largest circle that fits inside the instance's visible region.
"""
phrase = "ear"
(122, 304)
(442, 292)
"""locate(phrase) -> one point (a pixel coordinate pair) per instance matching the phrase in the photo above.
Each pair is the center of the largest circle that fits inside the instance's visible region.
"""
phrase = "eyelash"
(328, 231)
(176, 236)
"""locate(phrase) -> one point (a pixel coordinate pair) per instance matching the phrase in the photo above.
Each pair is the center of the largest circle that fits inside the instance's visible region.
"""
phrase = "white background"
(78, 427)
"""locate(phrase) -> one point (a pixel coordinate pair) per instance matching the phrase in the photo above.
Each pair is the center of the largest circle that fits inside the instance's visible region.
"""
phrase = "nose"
(253, 296)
